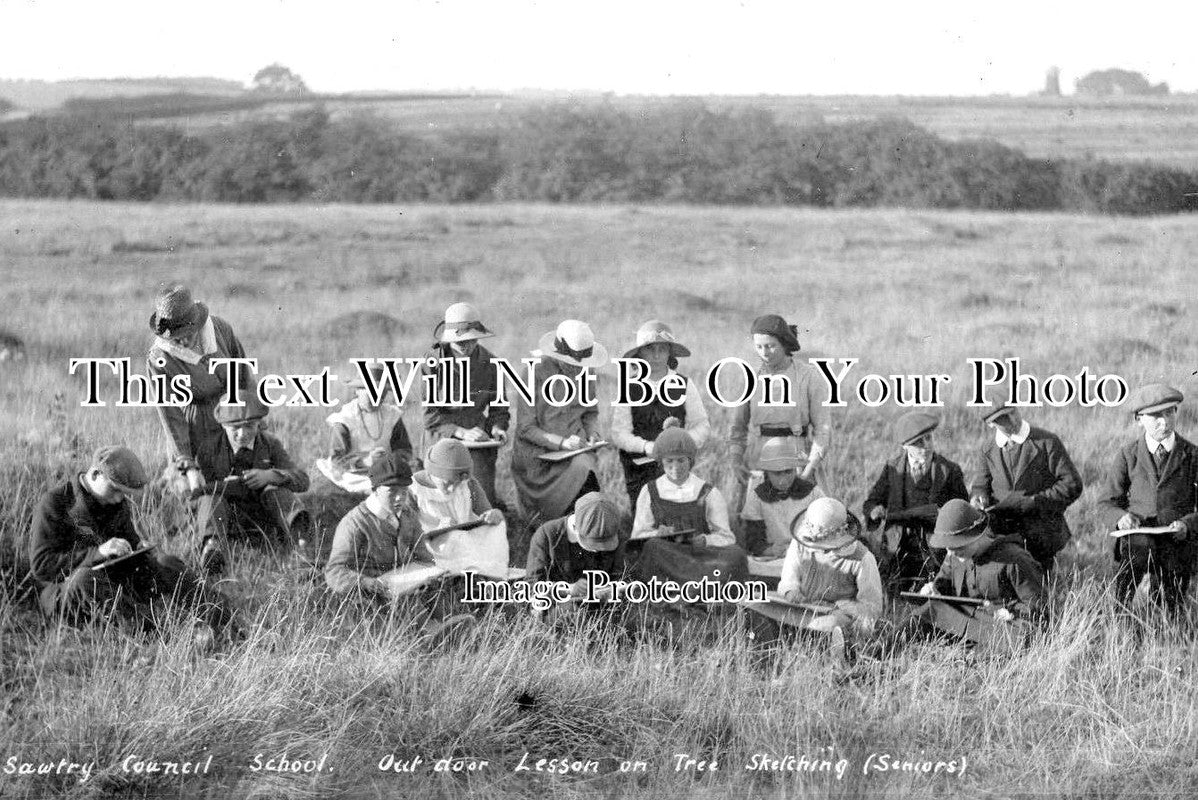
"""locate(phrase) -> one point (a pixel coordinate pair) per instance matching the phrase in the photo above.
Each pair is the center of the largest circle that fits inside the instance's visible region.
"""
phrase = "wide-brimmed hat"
(1153, 398)
(597, 521)
(121, 467)
(675, 442)
(914, 425)
(251, 408)
(176, 310)
(461, 323)
(389, 469)
(991, 413)
(823, 526)
(653, 332)
(780, 453)
(774, 325)
(447, 459)
(958, 524)
(573, 343)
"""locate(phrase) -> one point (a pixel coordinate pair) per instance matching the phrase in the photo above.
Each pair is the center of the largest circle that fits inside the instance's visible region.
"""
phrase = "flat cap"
(251, 409)
(122, 467)
(597, 521)
(991, 413)
(1153, 398)
(390, 470)
(914, 424)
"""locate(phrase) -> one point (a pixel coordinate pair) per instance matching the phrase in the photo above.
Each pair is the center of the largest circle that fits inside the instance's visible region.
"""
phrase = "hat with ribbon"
(1153, 398)
(653, 332)
(774, 325)
(175, 311)
(823, 526)
(573, 343)
(958, 524)
(597, 521)
(461, 323)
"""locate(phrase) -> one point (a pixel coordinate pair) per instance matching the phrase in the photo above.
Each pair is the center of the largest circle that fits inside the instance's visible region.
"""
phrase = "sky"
(658, 47)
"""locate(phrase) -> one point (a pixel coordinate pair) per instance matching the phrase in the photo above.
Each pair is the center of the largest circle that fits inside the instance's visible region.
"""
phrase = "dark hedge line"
(683, 153)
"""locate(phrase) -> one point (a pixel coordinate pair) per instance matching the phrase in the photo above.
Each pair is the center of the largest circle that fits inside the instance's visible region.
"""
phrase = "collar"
(797, 490)
(1169, 442)
(206, 344)
(1019, 437)
(387, 515)
(572, 530)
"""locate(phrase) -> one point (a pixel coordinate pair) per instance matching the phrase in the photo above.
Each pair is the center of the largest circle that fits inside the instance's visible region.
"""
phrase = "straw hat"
(823, 526)
(655, 331)
(461, 323)
(175, 310)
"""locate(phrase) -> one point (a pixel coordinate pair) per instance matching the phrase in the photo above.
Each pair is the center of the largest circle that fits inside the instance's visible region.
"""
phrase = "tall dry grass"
(1092, 708)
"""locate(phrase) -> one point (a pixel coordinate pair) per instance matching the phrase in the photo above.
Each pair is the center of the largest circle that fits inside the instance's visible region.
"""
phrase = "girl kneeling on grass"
(827, 566)
(683, 520)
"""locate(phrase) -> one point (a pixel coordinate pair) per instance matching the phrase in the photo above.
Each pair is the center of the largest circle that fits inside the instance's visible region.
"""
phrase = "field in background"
(1090, 711)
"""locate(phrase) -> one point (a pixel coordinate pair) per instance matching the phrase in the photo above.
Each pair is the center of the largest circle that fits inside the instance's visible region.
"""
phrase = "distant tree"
(5, 106)
(1052, 82)
(278, 79)
(1108, 82)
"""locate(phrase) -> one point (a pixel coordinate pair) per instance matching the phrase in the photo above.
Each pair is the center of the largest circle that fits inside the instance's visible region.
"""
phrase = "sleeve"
(643, 523)
(526, 420)
(1068, 484)
(753, 524)
(879, 493)
(590, 419)
(697, 423)
(52, 552)
(738, 434)
(982, 484)
(788, 583)
(340, 572)
(293, 477)
(868, 602)
(1113, 500)
(621, 432)
(944, 578)
(339, 443)
(399, 441)
(497, 416)
(720, 532)
(174, 422)
(540, 557)
(954, 487)
(821, 421)
(1027, 581)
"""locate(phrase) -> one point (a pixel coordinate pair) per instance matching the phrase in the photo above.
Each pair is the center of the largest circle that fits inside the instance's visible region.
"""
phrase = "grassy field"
(1089, 710)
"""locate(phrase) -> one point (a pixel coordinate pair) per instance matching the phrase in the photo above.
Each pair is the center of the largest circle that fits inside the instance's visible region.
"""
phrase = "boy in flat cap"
(588, 538)
(903, 503)
(376, 536)
(1026, 480)
(1153, 482)
(981, 565)
(251, 484)
(82, 540)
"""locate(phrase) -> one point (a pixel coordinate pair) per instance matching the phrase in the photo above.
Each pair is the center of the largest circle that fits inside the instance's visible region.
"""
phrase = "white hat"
(577, 337)
(823, 526)
(461, 323)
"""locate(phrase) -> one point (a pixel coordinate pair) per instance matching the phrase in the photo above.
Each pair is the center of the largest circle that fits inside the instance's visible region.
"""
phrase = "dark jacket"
(889, 491)
(1033, 496)
(440, 422)
(1005, 574)
(553, 557)
(217, 462)
(69, 525)
(1132, 484)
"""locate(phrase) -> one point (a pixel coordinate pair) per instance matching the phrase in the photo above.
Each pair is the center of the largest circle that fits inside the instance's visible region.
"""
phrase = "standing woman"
(805, 418)
(187, 339)
(548, 489)
(481, 426)
(634, 430)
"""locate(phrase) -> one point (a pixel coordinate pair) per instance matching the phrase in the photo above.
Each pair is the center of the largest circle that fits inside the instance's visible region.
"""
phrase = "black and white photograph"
(516, 399)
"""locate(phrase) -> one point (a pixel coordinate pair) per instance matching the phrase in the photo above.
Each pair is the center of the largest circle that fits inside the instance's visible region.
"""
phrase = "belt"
(776, 430)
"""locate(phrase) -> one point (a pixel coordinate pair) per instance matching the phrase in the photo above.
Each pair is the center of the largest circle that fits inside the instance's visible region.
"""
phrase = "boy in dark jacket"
(1153, 482)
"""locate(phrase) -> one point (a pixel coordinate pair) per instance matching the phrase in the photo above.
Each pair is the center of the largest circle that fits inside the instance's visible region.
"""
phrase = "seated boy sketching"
(683, 520)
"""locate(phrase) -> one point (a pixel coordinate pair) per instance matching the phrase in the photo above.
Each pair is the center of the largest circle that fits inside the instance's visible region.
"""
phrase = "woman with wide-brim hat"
(480, 426)
(634, 429)
(804, 418)
(548, 489)
(187, 339)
